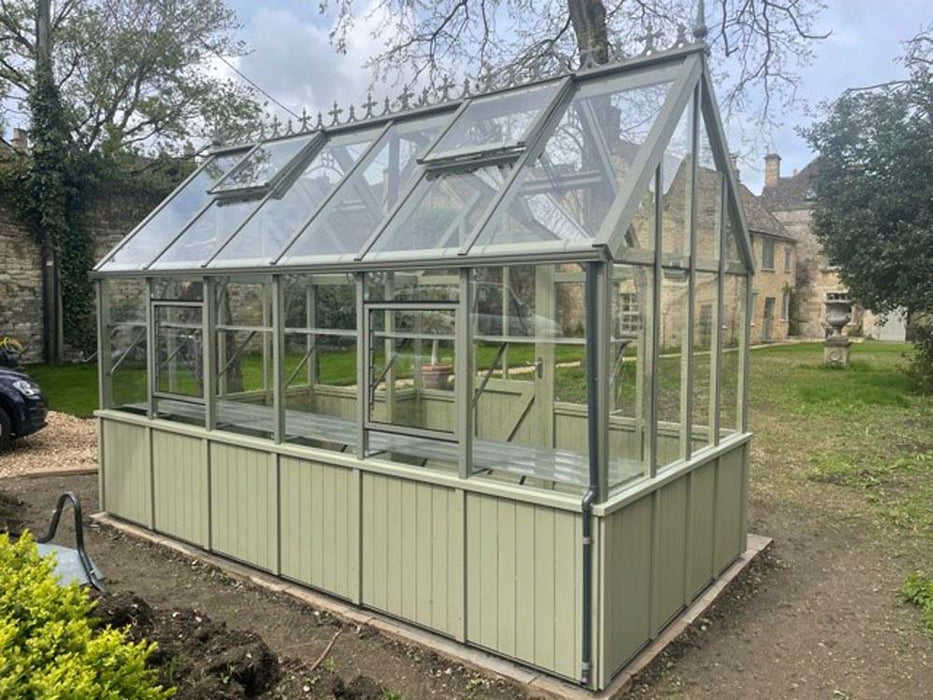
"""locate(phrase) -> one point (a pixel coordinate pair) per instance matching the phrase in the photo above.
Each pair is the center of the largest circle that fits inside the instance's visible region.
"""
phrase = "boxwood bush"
(50, 646)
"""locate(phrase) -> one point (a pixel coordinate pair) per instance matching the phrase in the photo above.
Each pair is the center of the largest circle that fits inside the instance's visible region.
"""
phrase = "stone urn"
(838, 314)
(436, 376)
(836, 347)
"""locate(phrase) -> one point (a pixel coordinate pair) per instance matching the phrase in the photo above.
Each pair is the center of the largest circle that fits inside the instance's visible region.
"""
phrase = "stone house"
(790, 200)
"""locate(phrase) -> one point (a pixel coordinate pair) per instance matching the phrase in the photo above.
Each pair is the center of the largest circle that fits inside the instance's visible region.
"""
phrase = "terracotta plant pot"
(436, 376)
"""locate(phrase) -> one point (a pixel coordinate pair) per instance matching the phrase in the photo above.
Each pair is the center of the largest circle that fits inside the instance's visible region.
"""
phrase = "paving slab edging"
(536, 684)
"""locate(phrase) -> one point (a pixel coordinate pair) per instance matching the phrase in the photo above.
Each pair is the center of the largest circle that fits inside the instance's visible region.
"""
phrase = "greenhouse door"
(411, 358)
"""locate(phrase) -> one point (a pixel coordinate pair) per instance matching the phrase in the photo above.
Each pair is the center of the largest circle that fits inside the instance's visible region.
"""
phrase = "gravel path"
(65, 443)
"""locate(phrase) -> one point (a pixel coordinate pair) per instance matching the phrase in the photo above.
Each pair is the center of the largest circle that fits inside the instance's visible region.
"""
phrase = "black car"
(22, 406)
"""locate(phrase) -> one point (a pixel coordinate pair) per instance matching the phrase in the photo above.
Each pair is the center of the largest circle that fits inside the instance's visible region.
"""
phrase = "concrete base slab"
(536, 684)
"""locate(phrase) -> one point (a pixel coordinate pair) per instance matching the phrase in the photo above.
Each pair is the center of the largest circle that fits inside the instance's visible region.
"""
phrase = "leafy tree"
(757, 44)
(874, 206)
(133, 74)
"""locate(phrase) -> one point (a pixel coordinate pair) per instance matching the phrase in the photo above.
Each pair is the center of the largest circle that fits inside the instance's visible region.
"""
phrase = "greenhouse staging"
(477, 364)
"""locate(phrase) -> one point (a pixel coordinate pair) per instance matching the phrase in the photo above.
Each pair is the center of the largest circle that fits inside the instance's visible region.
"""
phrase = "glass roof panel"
(710, 181)
(353, 215)
(495, 122)
(156, 233)
(562, 199)
(287, 209)
(263, 164)
(206, 234)
(439, 215)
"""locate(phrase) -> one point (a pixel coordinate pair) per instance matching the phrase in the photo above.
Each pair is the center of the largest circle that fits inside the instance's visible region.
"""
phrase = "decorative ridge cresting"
(548, 66)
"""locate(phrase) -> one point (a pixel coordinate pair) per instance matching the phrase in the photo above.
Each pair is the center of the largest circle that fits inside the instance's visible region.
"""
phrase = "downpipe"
(592, 492)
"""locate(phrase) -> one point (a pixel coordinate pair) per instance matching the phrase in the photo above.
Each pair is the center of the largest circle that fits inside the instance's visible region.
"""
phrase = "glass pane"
(630, 381)
(562, 199)
(441, 213)
(177, 288)
(205, 236)
(126, 331)
(495, 122)
(283, 214)
(179, 353)
(412, 364)
(320, 360)
(168, 222)
(414, 285)
(704, 351)
(733, 341)
(676, 187)
(244, 383)
(356, 211)
(710, 181)
(263, 164)
(671, 369)
(735, 261)
(530, 400)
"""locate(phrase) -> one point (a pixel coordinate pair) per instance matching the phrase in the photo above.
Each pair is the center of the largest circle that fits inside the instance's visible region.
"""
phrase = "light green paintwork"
(654, 563)
(127, 484)
(179, 469)
(524, 579)
(320, 525)
(490, 564)
(244, 508)
(413, 551)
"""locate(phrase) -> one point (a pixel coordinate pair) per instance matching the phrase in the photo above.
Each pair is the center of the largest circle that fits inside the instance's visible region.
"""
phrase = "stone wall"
(772, 284)
(110, 217)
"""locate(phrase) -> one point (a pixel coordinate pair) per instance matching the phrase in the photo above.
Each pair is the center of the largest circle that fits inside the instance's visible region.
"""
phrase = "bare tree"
(759, 45)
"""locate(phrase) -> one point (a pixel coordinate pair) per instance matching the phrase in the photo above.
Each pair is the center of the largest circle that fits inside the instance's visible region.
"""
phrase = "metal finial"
(335, 113)
(699, 28)
(320, 122)
(351, 116)
(405, 97)
(386, 106)
(466, 87)
(424, 97)
(487, 78)
(445, 88)
(681, 35)
(305, 118)
(275, 125)
(369, 104)
(648, 37)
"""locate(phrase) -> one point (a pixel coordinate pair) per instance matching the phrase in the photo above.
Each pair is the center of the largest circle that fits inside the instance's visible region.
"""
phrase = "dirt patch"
(11, 514)
(66, 443)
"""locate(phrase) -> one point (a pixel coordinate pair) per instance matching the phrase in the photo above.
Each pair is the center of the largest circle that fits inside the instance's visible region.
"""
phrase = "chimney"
(735, 166)
(772, 169)
(20, 141)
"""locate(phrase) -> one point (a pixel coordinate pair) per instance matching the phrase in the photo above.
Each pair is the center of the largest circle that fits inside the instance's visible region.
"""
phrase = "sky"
(292, 59)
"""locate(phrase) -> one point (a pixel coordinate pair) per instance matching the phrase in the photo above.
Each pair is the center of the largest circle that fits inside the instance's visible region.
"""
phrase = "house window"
(629, 317)
(787, 259)
(785, 305)
(767, 254)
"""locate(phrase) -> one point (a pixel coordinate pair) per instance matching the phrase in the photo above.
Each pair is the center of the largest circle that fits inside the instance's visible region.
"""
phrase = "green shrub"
(918, 589)
(49, 647)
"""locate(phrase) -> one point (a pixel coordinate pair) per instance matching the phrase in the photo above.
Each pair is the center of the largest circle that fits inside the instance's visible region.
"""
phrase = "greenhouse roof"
(555, 168)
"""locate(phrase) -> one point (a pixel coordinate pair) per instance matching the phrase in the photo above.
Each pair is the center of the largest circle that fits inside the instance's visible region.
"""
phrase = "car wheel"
(6, 431)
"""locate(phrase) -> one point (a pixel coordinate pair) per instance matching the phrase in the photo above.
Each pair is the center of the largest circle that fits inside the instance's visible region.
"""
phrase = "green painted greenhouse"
(476, 363)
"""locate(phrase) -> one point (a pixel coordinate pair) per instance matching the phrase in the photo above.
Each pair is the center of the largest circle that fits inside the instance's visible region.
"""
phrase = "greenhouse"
(477, 364)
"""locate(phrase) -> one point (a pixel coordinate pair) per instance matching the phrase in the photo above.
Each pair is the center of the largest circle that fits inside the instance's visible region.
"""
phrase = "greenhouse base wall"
(474, 560)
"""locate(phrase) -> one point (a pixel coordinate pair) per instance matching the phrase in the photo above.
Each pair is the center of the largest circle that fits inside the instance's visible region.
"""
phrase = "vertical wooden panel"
(701, 526)
(244, 503)
(413, 551)
(318, 537)
(522, 582)
(729, 509)
(180, 482)
(126, 471)
(627, 581)
(672, 542)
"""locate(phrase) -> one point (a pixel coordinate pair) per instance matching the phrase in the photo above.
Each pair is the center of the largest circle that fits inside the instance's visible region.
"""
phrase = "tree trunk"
(588, 18)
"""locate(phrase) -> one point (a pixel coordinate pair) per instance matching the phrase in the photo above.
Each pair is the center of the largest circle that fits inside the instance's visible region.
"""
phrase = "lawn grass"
(68, 388)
